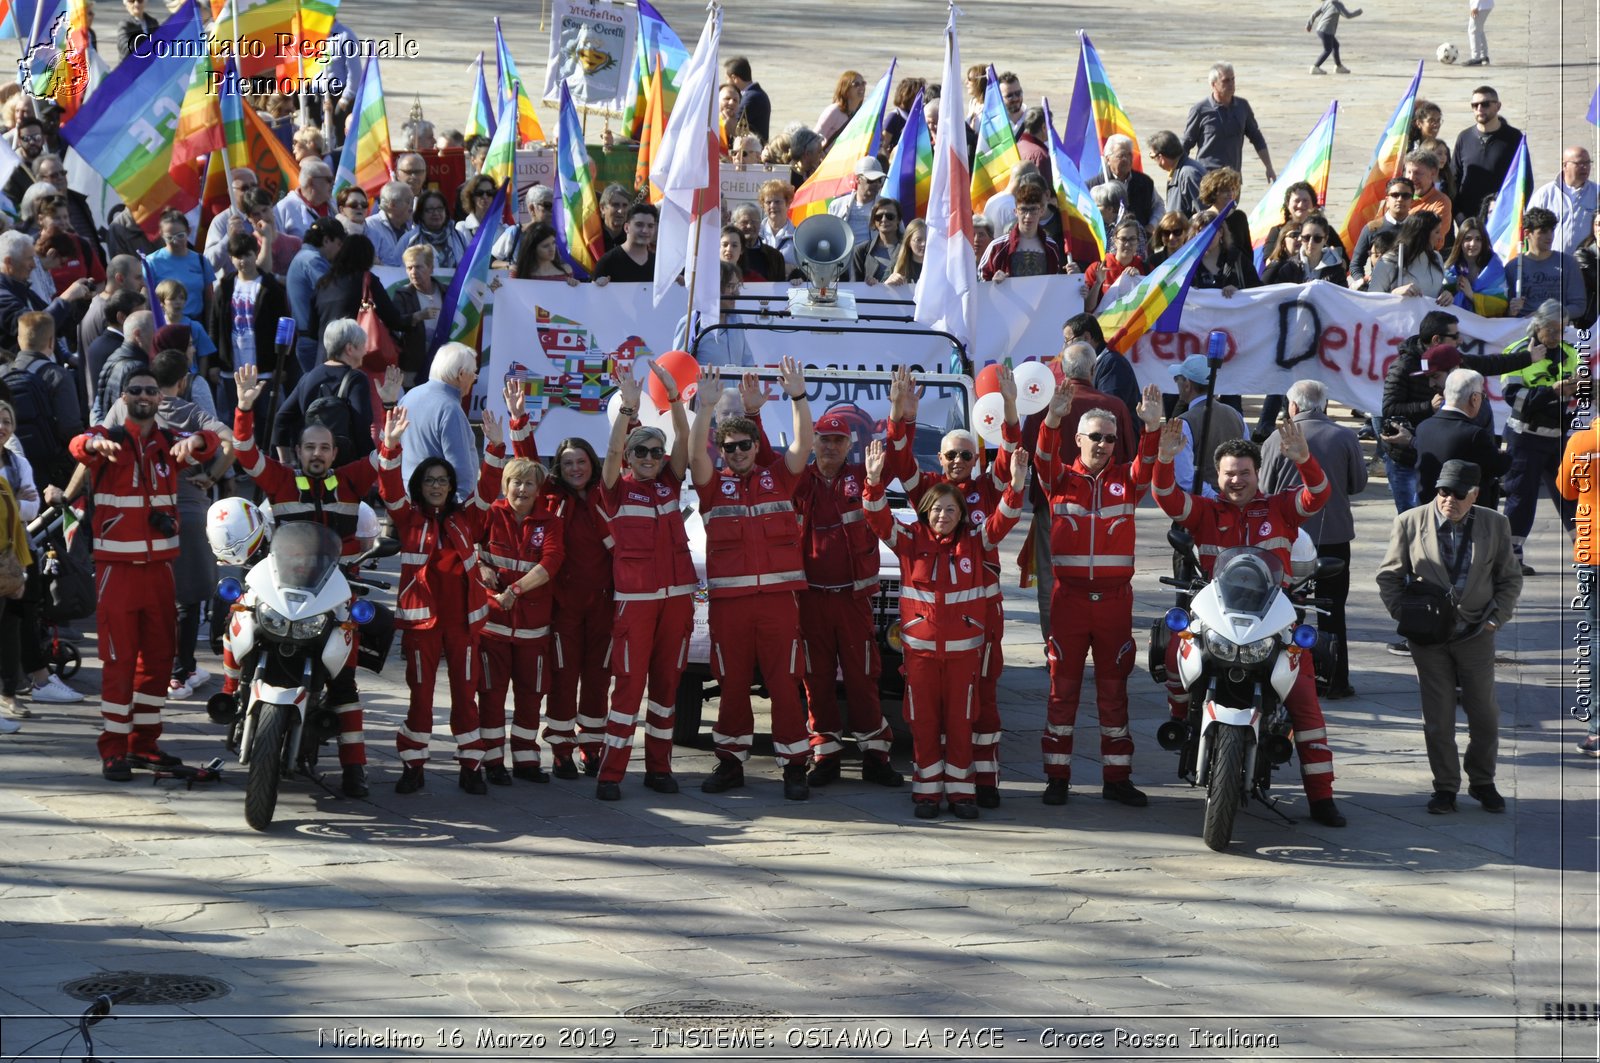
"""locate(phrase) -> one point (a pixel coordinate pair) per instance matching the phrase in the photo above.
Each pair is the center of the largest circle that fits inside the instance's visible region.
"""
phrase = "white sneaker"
(197, 678)
(55, 692)
(178, 690)
(1318, 70)
(9, 727)
(11, 707)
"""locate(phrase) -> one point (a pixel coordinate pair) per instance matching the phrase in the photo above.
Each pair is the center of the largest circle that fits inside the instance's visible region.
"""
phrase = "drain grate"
(687, 1013)
(143, 987)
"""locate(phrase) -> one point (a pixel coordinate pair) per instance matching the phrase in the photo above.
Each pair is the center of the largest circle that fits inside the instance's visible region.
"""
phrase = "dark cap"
(1440, 358)
(173, 338)
(1460, 476)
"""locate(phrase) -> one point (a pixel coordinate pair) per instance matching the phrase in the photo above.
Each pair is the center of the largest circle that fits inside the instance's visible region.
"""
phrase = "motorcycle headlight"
(1258, 651)
(309, 628)
(272, 622)
(1218, 646)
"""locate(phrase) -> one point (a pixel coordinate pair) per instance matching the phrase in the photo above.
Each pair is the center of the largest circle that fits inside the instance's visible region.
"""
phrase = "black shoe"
(153, 761)
(880, 772)
(528, 773)
(1055, 792)
(1527, 569)
(591, 766)
(1343, 693)
(410, 780)
(661, 782)
(1487, 796)
(964, 809)
(608, 791)
(115, 769)
(564, 768)
(355, 780)
(472, 781)
(1124, 793)
(1325, 812)
(1477, 62)
(728, 776)
(925, 809)
(826, 771)
(1443, 802)
(794, 783)
(988, 797)
(497, 774)
(1399, 649)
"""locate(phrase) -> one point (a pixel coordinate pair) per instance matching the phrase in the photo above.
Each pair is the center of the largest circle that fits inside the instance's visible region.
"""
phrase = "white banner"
(591, 48)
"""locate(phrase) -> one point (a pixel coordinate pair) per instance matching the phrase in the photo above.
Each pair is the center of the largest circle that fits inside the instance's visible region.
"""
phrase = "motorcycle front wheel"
(266, 765)
(1225, 788)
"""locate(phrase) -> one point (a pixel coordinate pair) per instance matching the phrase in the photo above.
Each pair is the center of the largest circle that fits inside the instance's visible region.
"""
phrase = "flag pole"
(699, 224)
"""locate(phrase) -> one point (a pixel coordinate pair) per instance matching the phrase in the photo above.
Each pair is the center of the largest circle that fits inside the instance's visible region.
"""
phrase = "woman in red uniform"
(654, 586)
(943, 608)
(440, 607)
(580, 679)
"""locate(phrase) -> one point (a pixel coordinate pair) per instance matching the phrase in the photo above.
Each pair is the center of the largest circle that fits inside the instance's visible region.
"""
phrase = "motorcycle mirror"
(1180, 539)
(386, 546)
(1329, 567)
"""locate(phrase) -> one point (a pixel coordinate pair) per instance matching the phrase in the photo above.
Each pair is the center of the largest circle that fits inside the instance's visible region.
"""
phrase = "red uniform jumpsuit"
(655, 584)
(581, 639)
(440, 607)
(136, 611)
(943, 610)
(516, 643)
(840, 556)
(1271, 523)
(333, 501)
(753, 570)
(982, 491)
(1091, 603)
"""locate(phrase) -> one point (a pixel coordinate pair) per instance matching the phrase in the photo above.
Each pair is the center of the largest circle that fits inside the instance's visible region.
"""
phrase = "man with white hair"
(297, 210)
(339, 377)
(390, 226)
(17, 296)
(1332, 528)
(1455, 431)
(1219, 125)
(437, 425)
(541, 203)
(1143, 203)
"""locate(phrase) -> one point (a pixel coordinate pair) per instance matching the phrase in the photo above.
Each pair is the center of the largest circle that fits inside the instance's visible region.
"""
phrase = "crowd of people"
(147, 389)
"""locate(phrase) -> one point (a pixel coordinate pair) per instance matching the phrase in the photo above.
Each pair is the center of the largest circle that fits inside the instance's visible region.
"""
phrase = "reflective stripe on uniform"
(935, 646)
(1082, 560)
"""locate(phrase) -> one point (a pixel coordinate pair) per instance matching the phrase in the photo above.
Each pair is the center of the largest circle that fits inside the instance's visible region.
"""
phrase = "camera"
(163, 522)
(1393, 427)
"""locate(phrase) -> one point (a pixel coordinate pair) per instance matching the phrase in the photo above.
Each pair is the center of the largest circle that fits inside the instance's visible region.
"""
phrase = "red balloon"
(683, 370)
(988, 379)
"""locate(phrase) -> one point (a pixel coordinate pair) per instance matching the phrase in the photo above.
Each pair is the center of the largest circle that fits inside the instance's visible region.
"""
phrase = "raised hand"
(666, 381)
(183, 450)
(247, 379)
(628, 387)
(1295, 447)
(1061, 401)
(877, 458)
(516, 398)
(710, 388)
(1171, 441)
(1008, 384)
(493, 432)
(752, 393)
(1150, 407)
(792, 378)
(1019, 470)
(395, 423)
(104, 446)
(389, 390)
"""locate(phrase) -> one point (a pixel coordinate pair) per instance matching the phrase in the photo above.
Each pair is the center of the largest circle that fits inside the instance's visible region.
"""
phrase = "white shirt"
(1574, 209)
(856, 214)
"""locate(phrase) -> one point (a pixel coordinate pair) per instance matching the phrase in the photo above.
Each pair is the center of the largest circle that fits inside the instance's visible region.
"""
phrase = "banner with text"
(591, 49)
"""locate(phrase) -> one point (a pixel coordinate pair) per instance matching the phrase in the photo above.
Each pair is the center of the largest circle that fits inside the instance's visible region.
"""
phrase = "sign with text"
(591, 49)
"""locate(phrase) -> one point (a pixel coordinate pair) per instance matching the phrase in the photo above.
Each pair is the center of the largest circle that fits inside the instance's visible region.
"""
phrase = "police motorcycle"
(1240, 651)
(292, 625)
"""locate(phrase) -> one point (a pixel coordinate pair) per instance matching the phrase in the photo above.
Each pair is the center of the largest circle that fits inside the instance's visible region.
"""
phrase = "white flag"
(686, 173)
(946, 292)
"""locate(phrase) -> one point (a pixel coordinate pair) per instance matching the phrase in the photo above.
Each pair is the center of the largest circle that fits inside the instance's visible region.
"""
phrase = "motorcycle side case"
(1286, 670)
(242, 628)
(1160, 637)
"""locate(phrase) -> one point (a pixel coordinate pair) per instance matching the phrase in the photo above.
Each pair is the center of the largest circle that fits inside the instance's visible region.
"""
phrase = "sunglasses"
(1399, 195)
(1447, 492)
(1101, 437)
(885, 217)
(958, 455)
(483, 193)
(738, 445)
(142, 391)
(1312, 238)
(1482, 103)
(650, 452)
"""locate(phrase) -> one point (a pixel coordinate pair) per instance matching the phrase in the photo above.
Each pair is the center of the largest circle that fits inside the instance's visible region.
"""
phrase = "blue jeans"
(1403, 482)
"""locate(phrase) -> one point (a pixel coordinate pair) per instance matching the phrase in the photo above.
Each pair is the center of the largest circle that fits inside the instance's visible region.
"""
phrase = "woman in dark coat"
(339, 293)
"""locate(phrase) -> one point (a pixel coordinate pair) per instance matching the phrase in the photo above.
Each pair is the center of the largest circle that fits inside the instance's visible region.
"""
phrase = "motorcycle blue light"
(230, 590)
(1305, 636)
(1177, 620)
(363, 611)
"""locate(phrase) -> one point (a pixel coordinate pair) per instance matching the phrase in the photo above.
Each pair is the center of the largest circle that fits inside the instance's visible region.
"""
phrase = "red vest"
(585, 574)
(752, 532)
(650, 558)
(513, 547)
(1092, 515)
(436, 554)
(142, 483)
(839, 550)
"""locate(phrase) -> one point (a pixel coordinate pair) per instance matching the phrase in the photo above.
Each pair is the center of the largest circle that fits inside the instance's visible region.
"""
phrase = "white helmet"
(367, 526)
(235, 528)
(1302, 557)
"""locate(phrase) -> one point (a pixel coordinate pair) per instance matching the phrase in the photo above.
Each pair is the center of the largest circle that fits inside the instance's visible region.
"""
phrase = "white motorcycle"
(1241, 640)
(292, 625)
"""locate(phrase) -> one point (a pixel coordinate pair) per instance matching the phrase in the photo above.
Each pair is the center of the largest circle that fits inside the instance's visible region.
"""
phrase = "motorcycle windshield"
(1247, 579)
(303, 556)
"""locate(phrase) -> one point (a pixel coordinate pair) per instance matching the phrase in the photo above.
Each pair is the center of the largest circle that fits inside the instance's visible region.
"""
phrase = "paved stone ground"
(537, 908)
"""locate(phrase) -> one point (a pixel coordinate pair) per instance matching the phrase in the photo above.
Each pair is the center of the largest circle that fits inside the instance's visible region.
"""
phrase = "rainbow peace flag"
(1387, 161)
(1082, 224)
(367, 160)
(461, 315)
(199, 129)
(125, 129)
(1155, 304)
(1309, 163)
(997, 148)
(655, 124)
(314, 24)
(480, 115)
(230, 110)
(527, 126)
(837, 175)
(260, 24)
(656, 47)
(1095, 114)
(501, 161)
(911, 165)
(578, 232)
(1504, 224)
(1491, 290)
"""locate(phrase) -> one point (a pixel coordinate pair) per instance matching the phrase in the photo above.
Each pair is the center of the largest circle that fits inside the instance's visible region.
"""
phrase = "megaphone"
(822, 245)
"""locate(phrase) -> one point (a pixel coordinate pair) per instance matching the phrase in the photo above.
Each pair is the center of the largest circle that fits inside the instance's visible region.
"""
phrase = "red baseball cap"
(1440, 358)
(831, 424)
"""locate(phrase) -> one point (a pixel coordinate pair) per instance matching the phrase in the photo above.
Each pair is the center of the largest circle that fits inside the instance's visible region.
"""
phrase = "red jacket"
(514, 546)
(840, 552)
(943, 600)
(334, 501)
(1268, 521)
(752, 532)
(1092, 522)
(139, 487)
(650, 558)
(437, 551)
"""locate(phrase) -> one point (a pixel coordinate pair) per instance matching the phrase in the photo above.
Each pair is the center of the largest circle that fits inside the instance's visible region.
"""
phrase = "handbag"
(382, 351)
(12, 575)
(1426, 614)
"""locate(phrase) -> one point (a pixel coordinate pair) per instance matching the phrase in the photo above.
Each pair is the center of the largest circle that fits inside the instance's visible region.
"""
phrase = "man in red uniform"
(331, 497)
(1092, 503)
(959, 454)
(1242, 516)
(753, 570)
(135, 493)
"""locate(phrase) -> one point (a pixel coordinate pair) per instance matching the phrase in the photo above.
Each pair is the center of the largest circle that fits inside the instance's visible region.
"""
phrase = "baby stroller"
(64, 553)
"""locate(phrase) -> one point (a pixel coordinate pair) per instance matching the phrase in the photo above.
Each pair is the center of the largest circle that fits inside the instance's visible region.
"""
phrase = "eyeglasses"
(958, 455)
(1447, 492)
(142, 390)
(1483, 103)
(1101, 437)
(436, 481)
(650, 452)
(1024, 208)
(1452, 335)
(740, 446)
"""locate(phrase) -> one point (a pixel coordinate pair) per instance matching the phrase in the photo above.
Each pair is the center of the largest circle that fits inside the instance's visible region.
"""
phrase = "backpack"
(330, 408)
(35, 424)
